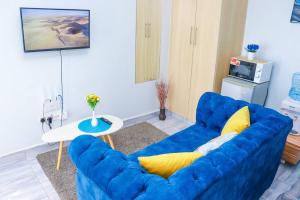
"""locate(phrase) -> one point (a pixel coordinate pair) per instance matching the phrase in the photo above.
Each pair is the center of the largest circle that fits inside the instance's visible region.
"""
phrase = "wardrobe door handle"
(149, 30)
(195, 36)
(191, 33)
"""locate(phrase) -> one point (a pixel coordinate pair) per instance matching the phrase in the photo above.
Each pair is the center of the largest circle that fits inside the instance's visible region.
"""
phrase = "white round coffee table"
(71, 131)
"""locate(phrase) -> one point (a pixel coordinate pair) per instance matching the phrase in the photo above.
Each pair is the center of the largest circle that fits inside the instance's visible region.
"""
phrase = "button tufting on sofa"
(84, 149)
(195, 177)
(101, 157)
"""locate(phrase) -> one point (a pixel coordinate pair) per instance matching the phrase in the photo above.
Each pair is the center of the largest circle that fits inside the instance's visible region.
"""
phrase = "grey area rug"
(127, 140)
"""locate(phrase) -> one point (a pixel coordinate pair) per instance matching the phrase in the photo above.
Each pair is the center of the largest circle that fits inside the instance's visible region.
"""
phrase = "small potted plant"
(252, 49)
(162, 93)
(92, 101)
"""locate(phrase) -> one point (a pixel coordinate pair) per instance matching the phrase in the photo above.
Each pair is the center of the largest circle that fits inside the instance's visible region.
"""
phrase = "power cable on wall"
(61, 88)
(59, 97)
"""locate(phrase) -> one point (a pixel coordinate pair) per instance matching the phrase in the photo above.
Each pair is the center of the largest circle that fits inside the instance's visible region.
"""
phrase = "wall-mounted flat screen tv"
(296, 12)
(47, 29)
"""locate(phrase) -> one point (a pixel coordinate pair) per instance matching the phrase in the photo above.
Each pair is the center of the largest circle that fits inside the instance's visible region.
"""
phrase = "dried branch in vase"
(162, 93)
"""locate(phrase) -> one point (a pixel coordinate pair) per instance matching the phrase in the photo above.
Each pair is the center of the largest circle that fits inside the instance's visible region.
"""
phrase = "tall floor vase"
(162, 114)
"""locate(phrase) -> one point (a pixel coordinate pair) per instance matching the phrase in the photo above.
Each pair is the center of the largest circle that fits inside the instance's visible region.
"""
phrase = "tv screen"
(296, 12)
(47, 29)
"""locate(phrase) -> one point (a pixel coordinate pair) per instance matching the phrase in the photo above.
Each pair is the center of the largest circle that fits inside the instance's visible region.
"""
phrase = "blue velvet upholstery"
(242, 168)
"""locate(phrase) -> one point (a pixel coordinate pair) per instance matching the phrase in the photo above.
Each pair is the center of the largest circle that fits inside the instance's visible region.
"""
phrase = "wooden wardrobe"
(148, 35)
(205, 35)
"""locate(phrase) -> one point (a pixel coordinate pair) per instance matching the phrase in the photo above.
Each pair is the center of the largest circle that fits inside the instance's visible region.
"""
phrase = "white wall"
(268, 24)
(107, 68)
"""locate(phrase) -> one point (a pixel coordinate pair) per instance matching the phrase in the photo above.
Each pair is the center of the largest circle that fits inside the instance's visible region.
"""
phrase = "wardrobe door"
(148, 40)
(154, 36)
(142, 18)
(181, 55)
(205, 52)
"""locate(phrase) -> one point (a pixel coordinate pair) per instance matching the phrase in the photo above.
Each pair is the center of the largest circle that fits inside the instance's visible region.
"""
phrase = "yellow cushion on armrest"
(238, 122)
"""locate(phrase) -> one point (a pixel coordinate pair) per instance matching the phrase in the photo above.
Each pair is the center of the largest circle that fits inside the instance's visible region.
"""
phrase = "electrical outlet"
(52, 106)
(58, 115)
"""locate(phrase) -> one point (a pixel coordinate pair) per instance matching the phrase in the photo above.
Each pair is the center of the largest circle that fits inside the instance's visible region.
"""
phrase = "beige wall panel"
(232, 30)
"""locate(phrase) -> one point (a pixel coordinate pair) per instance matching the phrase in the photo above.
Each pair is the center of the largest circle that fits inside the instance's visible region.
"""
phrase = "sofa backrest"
(214, 110)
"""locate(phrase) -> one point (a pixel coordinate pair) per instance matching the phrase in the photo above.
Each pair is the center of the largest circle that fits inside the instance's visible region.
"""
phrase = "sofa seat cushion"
(186, 140)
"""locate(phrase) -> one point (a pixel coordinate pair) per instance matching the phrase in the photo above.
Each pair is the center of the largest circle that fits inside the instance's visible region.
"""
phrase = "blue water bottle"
(295, 90)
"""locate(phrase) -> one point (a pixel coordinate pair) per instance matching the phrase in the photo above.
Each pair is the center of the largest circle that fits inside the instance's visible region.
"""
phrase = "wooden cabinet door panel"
(181, 55)
(153, 41)
(142, 18)
(205, 52)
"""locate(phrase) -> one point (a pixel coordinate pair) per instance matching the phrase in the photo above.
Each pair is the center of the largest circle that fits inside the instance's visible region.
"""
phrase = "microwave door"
(244, 70)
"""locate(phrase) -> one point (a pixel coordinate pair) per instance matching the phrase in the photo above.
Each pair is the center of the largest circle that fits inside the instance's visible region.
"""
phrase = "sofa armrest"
(115, 174)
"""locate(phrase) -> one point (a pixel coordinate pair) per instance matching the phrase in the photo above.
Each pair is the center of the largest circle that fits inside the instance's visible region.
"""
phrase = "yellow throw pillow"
(238, 122)
(166, 164)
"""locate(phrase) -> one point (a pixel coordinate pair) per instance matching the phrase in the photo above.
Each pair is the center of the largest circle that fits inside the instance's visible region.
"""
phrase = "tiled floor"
(21, 177)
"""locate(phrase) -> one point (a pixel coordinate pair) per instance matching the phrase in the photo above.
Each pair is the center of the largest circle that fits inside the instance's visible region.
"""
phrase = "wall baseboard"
(141, 115)
(23, 149)
(126, 121)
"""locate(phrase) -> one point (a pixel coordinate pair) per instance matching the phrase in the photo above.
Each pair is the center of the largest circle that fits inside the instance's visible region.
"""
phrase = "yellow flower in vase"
(92, 101)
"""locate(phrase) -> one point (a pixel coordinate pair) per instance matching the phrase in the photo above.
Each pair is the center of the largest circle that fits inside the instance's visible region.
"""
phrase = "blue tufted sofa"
(242, 168)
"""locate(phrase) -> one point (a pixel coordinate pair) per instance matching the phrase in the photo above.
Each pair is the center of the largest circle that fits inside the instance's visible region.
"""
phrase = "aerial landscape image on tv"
(47, 29)
(296, 12)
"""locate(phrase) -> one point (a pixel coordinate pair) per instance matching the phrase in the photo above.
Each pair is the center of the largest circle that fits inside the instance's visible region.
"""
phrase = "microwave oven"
(250, 70)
